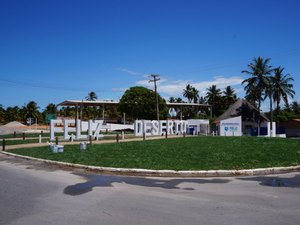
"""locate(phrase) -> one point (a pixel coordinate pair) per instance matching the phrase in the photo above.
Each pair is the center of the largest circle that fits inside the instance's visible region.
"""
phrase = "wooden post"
(56, 140)
(15, 134)
(90, 139)
(166, 134)
(184, 134)
(3, 145)
(144, 136)
(42, 133)
(117, 137)
(23, 136)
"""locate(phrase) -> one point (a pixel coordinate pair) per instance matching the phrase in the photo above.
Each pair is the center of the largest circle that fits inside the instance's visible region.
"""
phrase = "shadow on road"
(107, 181)
(30, 164)
(276, 181)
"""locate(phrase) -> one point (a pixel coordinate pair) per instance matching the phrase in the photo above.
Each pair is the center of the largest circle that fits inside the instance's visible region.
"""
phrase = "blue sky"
(53, 50)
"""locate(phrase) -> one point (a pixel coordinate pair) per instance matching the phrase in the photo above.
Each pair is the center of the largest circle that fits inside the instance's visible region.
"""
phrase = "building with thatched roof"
(249, 116)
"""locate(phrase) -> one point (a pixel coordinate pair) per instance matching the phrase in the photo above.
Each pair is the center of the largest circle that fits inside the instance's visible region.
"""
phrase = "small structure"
(242, 118)
(231, 126)
(198, 126)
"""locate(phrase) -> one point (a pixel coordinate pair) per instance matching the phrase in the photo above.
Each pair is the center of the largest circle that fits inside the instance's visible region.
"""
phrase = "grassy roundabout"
(190, 153)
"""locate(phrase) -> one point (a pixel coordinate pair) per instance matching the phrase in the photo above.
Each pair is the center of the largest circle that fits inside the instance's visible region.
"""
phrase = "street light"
(154, 78)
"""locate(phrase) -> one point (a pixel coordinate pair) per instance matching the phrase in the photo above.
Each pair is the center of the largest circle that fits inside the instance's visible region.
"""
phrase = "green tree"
(2, 114)
(191, 93)
(214, 98)
(89, 111)
(229, 96)
(140, 103)
(67, 112)
(31, 111)
(295, 107)
(282, 88)
(92, 96)
(256, 84)
(50, 109)
(13, 114)
(171, 99)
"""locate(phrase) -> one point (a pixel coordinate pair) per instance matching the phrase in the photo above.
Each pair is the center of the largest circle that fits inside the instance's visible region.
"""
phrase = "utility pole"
(154, 78)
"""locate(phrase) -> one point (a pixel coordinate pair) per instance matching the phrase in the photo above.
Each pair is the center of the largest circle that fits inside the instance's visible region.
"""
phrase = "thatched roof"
(241, 108)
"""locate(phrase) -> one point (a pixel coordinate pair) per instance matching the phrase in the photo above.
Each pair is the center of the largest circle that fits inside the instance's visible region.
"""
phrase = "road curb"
(165, 173)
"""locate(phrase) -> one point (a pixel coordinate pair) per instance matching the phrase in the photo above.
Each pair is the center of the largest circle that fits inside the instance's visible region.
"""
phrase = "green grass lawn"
(190, 153)
(26, 141)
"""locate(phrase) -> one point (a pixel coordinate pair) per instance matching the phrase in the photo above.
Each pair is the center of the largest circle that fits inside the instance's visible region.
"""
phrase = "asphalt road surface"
(34, 194)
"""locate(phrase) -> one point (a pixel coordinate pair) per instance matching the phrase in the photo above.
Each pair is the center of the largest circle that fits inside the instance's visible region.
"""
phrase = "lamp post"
(154, 78)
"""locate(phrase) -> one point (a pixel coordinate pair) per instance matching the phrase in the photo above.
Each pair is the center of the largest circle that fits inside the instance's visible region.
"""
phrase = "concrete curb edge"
(165, 173)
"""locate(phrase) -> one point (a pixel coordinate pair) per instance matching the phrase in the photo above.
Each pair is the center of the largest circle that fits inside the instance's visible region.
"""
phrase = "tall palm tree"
(213, 97)
(253, 97)
(257, 83)
(191, 93)
(229, 97)
(282, 88)
(91, 112)
(92, 96)
(187, 92)
(269, 90)
(259, 70)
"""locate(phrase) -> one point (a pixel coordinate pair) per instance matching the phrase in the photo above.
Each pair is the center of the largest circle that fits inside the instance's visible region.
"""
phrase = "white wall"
(231, 127)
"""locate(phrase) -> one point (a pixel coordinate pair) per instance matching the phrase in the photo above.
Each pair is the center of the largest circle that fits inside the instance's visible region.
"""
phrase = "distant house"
(292, 127)
(249, 118)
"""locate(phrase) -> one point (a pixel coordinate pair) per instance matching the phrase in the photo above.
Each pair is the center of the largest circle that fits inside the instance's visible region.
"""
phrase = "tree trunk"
(271, 111)
(258, 121)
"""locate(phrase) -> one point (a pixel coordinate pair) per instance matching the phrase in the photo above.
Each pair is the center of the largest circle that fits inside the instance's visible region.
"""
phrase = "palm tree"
(171, 99)
(178, 100)
(92, 96)
(191, 93)
(257, 83)
(50, 109)
(31, 110)
(282, 88)
(259, 71)
(229, 97)
(269, 90)
(91, 112)
(213, 97)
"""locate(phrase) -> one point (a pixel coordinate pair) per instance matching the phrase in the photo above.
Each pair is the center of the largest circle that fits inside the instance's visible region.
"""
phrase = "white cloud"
(130, 72)
(175, 87)
(119, 89)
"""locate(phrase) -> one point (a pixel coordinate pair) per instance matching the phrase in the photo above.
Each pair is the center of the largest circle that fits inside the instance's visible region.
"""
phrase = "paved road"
(34, 194)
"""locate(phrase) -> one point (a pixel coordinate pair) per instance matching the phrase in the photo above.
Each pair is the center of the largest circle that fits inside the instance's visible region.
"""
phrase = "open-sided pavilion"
(79, 104)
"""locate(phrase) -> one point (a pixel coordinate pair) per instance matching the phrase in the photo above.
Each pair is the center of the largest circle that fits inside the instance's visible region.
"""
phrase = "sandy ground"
(5, 129)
